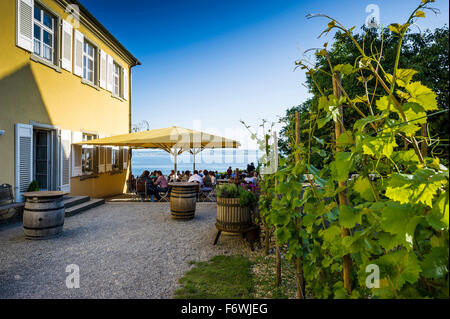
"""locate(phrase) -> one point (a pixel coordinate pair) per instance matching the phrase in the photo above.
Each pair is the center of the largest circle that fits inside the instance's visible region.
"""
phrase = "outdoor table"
(43, 216)
(221, 181)
(183, 200)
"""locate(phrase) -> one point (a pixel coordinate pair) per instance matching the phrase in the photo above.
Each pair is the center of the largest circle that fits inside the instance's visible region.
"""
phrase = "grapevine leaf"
(340, 168)
(362, 186)
(344, 69)
(349, 216)
(435, 264)
(422, 95)
(332, 233)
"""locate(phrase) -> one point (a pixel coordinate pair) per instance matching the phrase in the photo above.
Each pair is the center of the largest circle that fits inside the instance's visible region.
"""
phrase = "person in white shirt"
(196, 178)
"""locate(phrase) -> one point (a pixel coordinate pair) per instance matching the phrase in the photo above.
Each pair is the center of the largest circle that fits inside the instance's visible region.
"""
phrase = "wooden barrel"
(231, 217)
(43, 217)
(183, 200)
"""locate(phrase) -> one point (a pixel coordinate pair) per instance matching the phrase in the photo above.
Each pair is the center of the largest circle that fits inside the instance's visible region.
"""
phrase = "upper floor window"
(117, 80)
(44, 27)
(89, 60)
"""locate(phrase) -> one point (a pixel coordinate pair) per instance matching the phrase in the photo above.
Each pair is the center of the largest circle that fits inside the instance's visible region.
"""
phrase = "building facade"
(64, 79)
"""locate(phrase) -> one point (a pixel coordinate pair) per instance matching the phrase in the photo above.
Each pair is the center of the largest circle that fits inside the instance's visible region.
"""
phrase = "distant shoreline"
(215, 160)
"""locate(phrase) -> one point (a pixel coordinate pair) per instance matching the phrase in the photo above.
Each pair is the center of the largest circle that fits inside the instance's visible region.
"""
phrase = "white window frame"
(43, 28)
(91, 150)
(92, 58)
(117, 76)
(115, 157)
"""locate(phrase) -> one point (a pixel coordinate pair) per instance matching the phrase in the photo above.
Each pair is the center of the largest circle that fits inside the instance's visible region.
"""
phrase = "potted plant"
(234, 208)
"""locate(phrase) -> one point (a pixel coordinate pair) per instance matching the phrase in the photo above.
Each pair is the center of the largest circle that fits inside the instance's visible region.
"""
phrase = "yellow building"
(63, 79)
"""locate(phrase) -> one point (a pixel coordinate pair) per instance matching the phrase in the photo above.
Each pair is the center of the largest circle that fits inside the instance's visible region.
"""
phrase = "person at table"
(253, 179)
(207, 179)
(144, 178)
(251, 168)
(161, 183)
(229, 171)
(172, 176)
(184, 177)
(212, 175)
(195, 178)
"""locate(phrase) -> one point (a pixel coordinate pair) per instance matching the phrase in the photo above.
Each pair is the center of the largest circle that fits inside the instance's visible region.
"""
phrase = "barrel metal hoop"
(182, 212)
(43, 228)
(43, 210)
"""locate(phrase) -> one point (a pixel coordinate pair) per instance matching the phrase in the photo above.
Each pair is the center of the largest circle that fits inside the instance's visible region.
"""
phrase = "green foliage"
(246, 198)
(397, 212)
(228, 191)
(34, 187)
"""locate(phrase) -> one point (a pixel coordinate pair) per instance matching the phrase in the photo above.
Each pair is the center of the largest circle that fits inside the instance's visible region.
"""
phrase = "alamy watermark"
(373, 19)
(373, 279)
(74, 15)
(73, 279)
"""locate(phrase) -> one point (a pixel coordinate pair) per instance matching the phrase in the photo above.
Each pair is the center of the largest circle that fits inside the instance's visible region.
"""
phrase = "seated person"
(253, 179)
(212, 175)
(131, 184)
(185, 177)
(196, 178)
(161, 183)
(172, 176)
(144, 178)
(207, 180)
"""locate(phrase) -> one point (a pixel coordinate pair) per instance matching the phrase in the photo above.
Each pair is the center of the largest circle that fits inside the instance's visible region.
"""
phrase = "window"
(44, 34)
(89, 52)
(87, 155)
(117, 80)
(115, 158)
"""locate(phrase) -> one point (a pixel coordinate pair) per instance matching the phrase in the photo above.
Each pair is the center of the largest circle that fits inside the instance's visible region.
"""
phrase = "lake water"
(216, 160)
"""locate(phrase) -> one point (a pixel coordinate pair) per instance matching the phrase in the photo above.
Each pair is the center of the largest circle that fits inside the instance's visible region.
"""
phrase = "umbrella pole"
(175, 154)
(194, 160)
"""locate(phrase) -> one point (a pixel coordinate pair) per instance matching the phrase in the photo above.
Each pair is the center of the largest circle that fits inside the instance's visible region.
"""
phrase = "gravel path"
(123, 250)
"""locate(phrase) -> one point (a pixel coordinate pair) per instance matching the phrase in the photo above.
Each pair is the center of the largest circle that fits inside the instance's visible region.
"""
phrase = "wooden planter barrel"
(183, 200)
(231, 217)
(43, 215)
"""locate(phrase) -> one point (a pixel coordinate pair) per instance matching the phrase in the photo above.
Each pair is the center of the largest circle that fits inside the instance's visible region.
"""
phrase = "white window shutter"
(125, 158)
(66, 59)
(125, 83)
(24, 159)
(24, 24)
(110, 78)
(103, 69)
(66, 139)
(78, 54)
(101, 159)
(108, 159)
(77, 170)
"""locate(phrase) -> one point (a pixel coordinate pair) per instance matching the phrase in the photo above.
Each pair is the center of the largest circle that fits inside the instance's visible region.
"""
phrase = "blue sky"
(207, 63)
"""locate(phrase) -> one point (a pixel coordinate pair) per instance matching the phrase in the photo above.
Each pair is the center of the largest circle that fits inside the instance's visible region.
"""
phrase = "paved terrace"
(124, 250)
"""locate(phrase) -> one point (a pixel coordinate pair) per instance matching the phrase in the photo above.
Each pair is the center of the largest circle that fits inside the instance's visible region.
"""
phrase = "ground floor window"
(115, 158)
(87, 155)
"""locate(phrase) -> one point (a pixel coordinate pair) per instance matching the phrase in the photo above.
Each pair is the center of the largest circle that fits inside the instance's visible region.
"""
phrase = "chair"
(208, 194)
(8, 206)
(165, 196)
(141, 188)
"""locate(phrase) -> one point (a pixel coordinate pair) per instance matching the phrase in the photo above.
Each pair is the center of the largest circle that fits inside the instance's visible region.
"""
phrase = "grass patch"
(264, 269)
(222, 277)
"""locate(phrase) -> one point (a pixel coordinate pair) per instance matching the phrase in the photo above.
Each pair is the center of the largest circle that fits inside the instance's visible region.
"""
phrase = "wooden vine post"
(298, 260)
(267, 229)
(343, 198)
(277, 246)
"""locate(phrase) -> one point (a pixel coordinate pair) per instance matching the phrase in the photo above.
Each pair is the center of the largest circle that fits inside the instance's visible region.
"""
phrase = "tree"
(425, 52)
